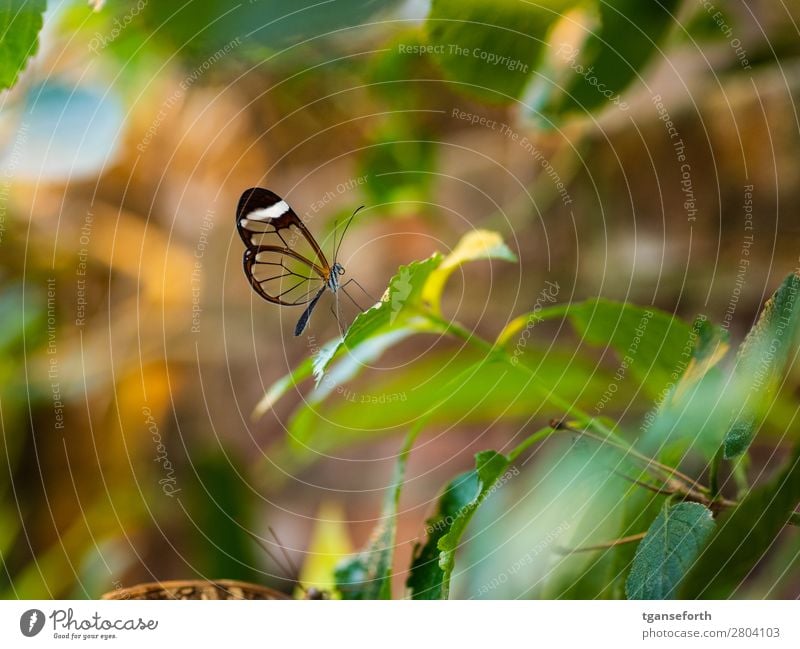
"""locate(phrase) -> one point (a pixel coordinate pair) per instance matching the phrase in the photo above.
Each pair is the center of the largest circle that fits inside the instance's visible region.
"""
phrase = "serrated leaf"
(20, 24)
(491, 49)
(743, 536)
(400, 298)
(761, 361)
(434, 561)
(426, 578)
(475, 245)
(368, 575)
(669, 549)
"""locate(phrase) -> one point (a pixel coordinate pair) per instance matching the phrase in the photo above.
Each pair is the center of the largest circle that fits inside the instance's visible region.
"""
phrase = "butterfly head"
(337, 270)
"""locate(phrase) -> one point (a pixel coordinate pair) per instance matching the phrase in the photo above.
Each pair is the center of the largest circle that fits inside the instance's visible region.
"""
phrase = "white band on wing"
(268, 213)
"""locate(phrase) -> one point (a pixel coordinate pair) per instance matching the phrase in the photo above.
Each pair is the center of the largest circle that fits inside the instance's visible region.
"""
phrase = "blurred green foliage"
(128, 133)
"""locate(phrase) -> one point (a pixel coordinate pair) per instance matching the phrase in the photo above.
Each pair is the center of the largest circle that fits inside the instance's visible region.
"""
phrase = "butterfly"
(283, 262)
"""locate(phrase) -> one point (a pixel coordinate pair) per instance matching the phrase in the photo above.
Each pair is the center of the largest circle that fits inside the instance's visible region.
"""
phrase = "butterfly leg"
(363, 290)
(350, 297)
(335, 312)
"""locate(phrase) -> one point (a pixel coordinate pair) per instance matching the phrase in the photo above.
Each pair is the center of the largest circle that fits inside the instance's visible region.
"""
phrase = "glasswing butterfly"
(283, 262)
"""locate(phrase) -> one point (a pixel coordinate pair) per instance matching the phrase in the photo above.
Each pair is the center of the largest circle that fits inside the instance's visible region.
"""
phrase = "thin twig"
(604, 546)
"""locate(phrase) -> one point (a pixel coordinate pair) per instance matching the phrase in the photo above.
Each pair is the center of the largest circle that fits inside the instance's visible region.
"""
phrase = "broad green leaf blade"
(650, 343)
(475, 245)
(426, 578)
(605, 502)
(384, 404)
(20, 24)
(396, 308)
(668, 551)
(743, 535)
(612, 56)
(350, 365)
(489, 466)
(640, 509)
(197, 30)
(762, 360)
(368, 575)
(491, 49)
(433, 563)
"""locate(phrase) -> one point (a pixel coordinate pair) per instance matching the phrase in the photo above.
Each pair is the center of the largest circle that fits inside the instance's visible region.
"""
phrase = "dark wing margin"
(282, 260)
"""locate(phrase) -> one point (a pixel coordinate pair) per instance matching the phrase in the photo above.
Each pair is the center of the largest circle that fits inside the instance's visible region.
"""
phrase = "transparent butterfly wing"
(282, 260)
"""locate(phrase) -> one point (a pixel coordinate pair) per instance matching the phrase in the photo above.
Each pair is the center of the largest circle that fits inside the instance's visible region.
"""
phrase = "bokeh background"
(134, 352)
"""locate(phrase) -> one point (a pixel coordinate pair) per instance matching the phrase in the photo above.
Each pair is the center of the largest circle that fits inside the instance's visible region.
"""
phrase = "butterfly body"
(274, 262)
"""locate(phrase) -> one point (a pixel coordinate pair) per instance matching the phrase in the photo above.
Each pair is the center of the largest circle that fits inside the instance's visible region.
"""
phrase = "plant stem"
(605, 546)
(539, 435)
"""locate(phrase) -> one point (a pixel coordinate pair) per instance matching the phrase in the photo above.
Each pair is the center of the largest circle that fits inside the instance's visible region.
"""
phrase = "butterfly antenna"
(352, 299)
(347, 225)
(335, 229)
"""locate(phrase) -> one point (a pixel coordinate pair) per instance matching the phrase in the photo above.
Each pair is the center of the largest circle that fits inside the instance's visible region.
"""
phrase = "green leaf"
(20, 24)
(744, 535)
(761, 361)
(475, 245)
(612, 56)
(350, 364)
(200, 29)
(383, 403)
(368, 575)
(640, 509)
(491, 49)
(426, 578)
(668, 551)
(650, 343)
(396, 307)
(400, 165)
(433, 563)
